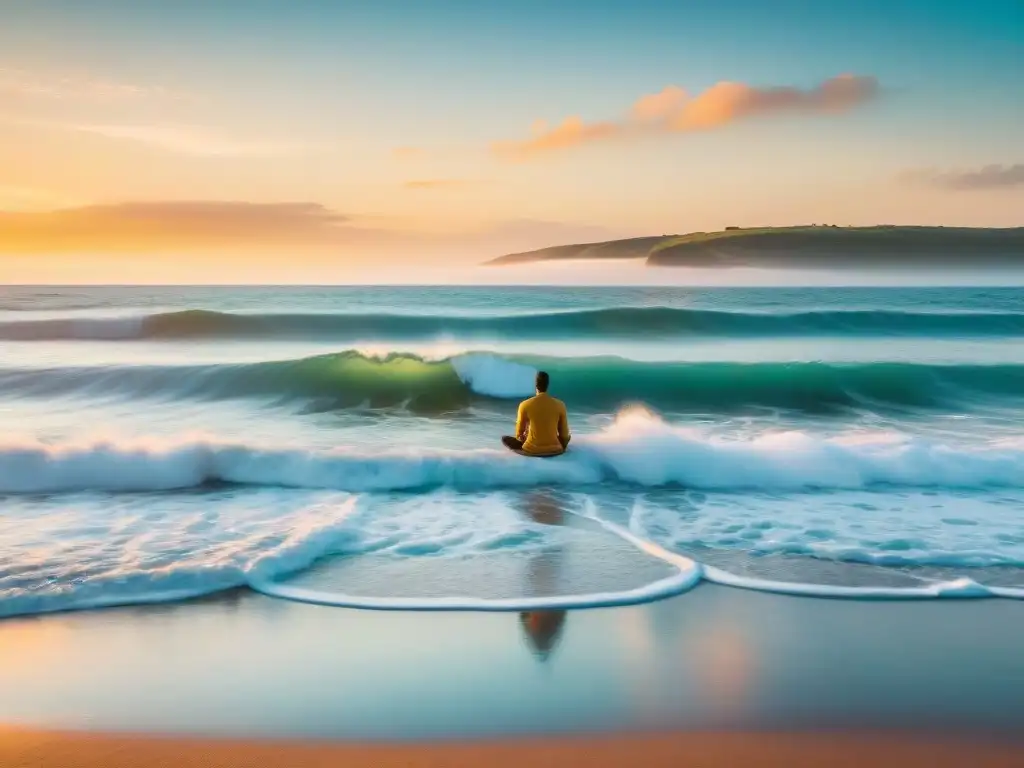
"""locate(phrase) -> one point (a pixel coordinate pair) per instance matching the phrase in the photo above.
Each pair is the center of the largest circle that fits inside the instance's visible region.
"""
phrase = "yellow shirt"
(543, 419)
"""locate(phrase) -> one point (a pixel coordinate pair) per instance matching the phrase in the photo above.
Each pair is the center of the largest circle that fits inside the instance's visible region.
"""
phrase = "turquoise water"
(340, 445)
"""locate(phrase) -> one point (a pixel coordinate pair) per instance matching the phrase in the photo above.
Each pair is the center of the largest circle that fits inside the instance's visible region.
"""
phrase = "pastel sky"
(195, 140)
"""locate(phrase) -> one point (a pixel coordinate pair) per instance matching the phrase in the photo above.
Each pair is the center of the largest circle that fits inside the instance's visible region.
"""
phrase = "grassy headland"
(808, 246)
(632, 248)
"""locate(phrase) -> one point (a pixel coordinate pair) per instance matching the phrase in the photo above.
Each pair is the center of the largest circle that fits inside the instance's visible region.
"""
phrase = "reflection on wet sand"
(543, 628)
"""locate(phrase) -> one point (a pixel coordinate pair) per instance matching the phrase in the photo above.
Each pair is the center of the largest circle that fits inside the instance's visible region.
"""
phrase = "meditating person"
(542, 426)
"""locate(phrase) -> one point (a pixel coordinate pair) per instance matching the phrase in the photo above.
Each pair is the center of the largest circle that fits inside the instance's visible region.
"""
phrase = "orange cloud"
(571, 132)
(655, 106)
(672, 110)
(171, 225)
(408, 153)
(728, 102)
(244, 242)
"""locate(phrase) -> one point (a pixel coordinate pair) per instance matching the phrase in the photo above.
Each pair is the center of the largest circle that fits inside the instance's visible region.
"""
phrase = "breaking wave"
(349, 379)
(637, 448)
(259, 546)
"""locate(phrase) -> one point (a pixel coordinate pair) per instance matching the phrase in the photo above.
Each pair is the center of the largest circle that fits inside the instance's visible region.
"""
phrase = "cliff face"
(825, 246)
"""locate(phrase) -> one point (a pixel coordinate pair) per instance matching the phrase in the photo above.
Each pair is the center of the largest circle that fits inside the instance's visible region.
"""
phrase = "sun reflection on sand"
(697, 662)
(725, 667)
(28, 647)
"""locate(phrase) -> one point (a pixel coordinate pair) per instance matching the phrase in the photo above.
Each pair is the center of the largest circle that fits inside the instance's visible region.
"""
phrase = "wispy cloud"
(20, 82)
(986, 177)
(220, 214)
(179, 138)
(422, 184)
(190, 140)
(405, 154)
(673, 110)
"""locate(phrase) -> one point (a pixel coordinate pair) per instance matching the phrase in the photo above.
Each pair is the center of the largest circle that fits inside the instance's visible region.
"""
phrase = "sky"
(258, 140)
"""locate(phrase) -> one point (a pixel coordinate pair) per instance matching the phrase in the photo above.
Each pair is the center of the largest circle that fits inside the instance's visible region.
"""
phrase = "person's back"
(542, 426)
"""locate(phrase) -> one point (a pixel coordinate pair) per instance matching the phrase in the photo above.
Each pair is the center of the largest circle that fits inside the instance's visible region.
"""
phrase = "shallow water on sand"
(240, 664)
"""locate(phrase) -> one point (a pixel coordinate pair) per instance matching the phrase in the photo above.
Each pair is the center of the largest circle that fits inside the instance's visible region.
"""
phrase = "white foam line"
(673, 585)
(690, 573)
(688, 576)
(115, 601)
(1010, 593)
(957, 588)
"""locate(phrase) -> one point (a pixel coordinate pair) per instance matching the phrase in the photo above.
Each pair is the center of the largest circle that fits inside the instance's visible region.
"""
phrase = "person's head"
(542, 381)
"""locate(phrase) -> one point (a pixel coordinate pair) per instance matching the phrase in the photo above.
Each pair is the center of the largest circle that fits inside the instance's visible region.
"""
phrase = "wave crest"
(627, 322)
(349, 379)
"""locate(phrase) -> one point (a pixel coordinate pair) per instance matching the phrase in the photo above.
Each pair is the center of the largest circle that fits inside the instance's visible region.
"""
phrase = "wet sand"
(246, 666)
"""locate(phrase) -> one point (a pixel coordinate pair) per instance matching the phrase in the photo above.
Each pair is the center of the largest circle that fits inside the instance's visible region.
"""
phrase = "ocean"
(340, 445)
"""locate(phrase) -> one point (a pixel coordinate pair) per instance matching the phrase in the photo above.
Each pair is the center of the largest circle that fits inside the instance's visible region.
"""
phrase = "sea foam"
(636, 449)
(100, 555)
(93, 552)
(76, 548)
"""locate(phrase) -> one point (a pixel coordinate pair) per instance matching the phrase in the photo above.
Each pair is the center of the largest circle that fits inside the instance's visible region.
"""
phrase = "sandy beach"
(34, 749)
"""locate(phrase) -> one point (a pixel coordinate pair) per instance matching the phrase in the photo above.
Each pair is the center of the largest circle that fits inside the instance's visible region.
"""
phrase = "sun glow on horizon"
(349, 144)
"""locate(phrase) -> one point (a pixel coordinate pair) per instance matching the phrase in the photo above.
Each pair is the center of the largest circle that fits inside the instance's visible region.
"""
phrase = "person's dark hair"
(542, 381)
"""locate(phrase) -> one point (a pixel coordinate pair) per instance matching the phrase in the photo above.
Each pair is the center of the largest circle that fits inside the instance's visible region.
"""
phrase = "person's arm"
(522, 422)
(563, 429)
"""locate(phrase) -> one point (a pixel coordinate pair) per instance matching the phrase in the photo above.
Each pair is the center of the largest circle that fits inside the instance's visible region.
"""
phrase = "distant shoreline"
(802, 247)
